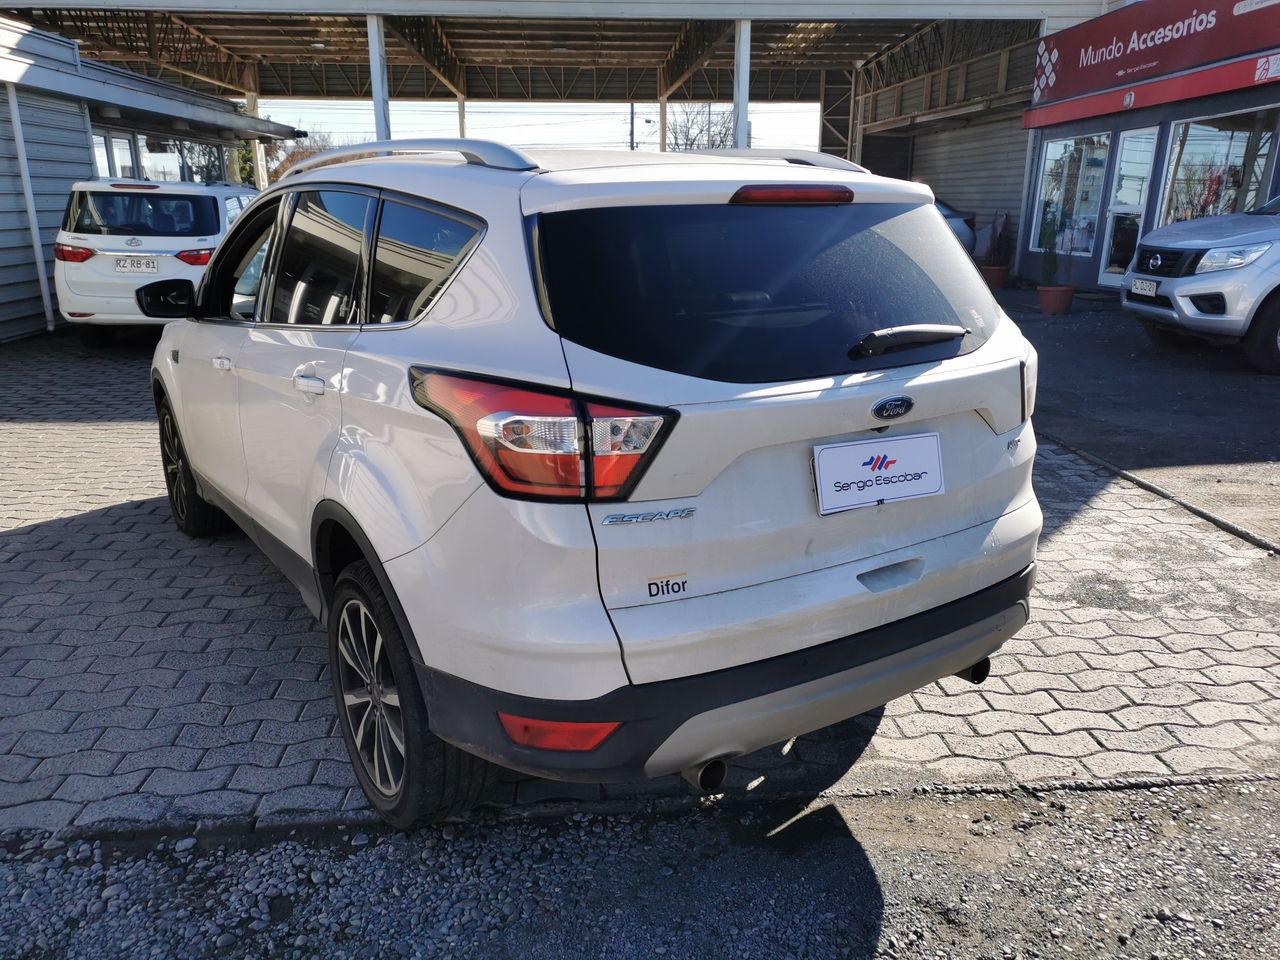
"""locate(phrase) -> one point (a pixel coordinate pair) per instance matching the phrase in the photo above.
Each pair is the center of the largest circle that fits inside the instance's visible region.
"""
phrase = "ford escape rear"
(604, 466)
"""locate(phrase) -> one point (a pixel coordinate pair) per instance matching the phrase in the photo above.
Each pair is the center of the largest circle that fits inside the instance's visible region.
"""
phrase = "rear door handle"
(307, 384)
(221, 363)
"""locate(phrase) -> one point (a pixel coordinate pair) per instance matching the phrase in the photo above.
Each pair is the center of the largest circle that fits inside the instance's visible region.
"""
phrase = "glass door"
(1135, 160)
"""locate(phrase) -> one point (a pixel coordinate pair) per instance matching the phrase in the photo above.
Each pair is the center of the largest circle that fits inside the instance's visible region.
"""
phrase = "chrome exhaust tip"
(708, 777)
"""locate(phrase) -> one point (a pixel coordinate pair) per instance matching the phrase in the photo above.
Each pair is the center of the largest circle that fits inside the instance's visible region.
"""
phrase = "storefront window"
(203, 161)
(160, 158)
(101, 163)
(168, 159)
(122, 153)
(1219, 165)
(1071, 188)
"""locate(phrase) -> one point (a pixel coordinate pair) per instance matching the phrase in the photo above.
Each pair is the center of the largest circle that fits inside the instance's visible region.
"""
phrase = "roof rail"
(808, 158)
(484, 153)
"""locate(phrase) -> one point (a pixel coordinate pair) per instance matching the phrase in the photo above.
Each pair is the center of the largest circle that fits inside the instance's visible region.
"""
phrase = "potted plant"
(1055, 298)
(996, 270)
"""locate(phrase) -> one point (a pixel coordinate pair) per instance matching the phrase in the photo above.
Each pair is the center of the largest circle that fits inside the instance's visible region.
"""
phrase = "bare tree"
(699, 126)
(292, 152)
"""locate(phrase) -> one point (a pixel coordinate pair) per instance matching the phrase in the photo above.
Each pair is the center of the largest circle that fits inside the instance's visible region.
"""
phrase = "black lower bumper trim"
(466, 713)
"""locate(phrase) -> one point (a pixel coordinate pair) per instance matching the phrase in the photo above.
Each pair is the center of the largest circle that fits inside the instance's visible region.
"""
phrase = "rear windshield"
(752, 294)
(132, 213)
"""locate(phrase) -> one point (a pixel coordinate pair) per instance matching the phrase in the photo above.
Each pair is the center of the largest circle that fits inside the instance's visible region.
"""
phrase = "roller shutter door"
(977, 168)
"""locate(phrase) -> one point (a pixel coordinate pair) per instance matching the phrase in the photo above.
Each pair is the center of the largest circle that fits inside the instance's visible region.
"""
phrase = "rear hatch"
(135, 233)
(799, 446)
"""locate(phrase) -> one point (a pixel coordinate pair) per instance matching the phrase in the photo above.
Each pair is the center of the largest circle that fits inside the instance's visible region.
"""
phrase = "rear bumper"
(119, 308)
(672, 724)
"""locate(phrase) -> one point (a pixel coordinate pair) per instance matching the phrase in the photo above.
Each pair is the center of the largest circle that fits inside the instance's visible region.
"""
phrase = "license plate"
(135, 264)
(866, 472)
(1146, 288)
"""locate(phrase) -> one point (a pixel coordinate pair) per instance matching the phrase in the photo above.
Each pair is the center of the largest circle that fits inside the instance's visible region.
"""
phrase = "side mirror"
(167, 299)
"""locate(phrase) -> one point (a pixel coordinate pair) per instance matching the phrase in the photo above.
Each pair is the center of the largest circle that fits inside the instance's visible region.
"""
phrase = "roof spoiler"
(804, 158)
(483, 153)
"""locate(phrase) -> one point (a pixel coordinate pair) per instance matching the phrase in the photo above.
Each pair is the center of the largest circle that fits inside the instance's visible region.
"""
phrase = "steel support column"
(378, 78)
(462, 116)
(741, 83)
(28, 196)
(662, 125)
(855, 115)
(259, 155)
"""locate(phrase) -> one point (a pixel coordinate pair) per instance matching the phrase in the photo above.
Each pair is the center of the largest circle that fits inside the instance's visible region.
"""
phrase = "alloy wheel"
(172, 459)
(370, 698)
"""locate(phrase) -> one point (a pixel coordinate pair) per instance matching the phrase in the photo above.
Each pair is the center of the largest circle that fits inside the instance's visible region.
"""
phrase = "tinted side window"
(234, 277)
(318, 276)
(416, 251)
(248, 277)
(234, 209)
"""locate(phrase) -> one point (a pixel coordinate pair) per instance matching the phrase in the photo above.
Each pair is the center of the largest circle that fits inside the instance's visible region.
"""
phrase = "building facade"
(1155, 113)
(63, 119)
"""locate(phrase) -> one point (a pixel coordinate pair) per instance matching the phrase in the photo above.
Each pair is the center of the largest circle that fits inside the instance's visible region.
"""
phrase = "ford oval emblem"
(891, 408)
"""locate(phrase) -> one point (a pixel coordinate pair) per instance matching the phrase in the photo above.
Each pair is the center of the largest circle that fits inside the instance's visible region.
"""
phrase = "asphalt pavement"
(1195, 420)
(1157, 874)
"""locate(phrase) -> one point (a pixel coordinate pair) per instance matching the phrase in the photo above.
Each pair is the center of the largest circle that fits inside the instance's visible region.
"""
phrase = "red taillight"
(136, 186)
(69, 254)
(556, 734)
(197, 258)
(542, 443)
(620, 441)
(793, 193)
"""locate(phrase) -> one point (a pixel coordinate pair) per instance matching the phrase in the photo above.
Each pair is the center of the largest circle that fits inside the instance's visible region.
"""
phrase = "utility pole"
(633, 124)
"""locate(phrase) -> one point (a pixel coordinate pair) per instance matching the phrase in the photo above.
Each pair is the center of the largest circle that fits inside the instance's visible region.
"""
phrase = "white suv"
(604, 466)
(119, 234)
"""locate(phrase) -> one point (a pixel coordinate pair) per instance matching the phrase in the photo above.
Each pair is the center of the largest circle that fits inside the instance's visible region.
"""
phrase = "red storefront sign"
(1148, 40)
(1219, 78)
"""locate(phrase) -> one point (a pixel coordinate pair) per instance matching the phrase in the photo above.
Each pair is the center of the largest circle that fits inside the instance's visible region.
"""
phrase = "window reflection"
(1071, 187)
(320, 260)
(416, 250)
(1220, 165)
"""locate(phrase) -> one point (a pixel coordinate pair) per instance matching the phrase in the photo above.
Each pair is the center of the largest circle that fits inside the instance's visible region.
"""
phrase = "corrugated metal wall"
(58, 153)
(977, 168)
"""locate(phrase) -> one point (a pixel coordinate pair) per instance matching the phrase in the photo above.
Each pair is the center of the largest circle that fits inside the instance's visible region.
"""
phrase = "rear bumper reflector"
(556, 734)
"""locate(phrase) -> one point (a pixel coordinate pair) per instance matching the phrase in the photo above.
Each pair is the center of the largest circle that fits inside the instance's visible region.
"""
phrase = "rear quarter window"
(756, 294)
(415, 251)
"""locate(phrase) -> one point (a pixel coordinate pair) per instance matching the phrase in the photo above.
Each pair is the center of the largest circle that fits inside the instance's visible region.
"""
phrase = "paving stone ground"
(147, 677)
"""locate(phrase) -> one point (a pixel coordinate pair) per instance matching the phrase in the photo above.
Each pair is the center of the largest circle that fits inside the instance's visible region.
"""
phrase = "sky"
(533, 124)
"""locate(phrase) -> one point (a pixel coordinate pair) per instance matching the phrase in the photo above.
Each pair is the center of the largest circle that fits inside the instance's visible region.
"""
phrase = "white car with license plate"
(119, 234)
(603, 466)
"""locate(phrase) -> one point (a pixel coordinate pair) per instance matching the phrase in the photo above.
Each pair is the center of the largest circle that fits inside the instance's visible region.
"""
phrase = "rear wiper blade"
(878, 341)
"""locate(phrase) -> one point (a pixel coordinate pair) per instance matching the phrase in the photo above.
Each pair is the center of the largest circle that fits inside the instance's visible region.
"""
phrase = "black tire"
(431, 779)
(1262, 342)
(1162, 336)
(95, 336)
(192, 514)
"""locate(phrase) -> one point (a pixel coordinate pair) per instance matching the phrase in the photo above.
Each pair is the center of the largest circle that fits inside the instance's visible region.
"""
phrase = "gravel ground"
(1190, 871)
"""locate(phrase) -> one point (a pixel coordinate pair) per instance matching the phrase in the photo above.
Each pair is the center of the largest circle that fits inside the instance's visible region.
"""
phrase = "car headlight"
(1229, 258)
